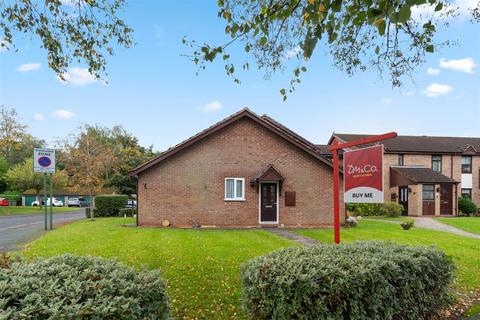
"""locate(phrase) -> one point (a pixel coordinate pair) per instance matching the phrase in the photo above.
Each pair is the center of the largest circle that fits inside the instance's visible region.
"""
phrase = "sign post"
(334, 148)
(44, 162)
(363, 175)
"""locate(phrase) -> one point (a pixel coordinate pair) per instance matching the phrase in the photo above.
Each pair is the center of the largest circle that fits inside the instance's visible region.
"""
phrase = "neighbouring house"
(426, 174)
(246, 170)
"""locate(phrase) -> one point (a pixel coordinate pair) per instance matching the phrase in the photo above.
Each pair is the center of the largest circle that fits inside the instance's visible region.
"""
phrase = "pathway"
(293, 236)
(432, 224)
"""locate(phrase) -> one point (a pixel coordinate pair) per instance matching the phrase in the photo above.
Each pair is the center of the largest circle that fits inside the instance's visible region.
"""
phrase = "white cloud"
(212, 106)
(433, 71)
(436, 89)
(466, 65)
(386, 101)
(27, 67)
(63, 114)
(461, 9)
(39, 117)
(77, 77)
(293, 52)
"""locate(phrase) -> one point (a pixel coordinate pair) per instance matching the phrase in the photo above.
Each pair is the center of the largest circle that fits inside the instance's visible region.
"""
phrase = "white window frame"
(235, 198)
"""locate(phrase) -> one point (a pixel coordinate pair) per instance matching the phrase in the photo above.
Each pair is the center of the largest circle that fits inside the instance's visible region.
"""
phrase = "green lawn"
(6, 211)
(402, 219)
(464, 251)
(474, 310)
(470, 224)
(201, 266)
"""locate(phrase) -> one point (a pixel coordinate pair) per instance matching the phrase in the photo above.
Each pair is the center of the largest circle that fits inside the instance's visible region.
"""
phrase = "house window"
(467, 193)
(437, 163)
(400, 160)
(428, 192)
(466, 164)
(234, 189)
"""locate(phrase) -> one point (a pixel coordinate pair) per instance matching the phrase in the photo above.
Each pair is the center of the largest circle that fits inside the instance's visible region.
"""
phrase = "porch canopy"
(267, 174)
(407, 175)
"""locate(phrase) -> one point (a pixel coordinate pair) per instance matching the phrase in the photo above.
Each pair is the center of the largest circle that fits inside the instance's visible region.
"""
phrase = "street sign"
(44, 160)
(363, 175)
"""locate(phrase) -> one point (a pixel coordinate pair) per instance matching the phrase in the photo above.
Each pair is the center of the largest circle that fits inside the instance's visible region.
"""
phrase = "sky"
(154, 93)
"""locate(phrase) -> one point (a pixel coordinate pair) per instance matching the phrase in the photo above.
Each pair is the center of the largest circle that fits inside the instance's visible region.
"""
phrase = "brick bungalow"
(247, 170)
(427, 174)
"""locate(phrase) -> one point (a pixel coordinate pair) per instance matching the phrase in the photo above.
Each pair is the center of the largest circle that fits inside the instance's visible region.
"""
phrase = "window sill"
(234, 200)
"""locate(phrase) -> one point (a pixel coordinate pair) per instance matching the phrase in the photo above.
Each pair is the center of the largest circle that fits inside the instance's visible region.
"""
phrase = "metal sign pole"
(45, 199)
(51, 201)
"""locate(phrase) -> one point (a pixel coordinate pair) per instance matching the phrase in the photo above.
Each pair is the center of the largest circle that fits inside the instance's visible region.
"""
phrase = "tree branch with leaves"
(84, 31)
(358, 34)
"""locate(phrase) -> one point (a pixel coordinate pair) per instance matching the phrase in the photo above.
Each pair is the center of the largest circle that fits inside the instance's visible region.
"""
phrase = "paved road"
(20, 229)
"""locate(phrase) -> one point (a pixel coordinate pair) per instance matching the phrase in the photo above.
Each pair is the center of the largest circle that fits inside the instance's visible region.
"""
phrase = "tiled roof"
(423, 144)
(422, 174)
(265, 121)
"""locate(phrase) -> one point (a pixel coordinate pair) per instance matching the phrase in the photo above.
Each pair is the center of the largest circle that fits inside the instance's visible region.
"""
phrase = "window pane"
(400, 159)
(428, 192)
(466, 160)
(467, 193)
(229, 186)
(239, 188)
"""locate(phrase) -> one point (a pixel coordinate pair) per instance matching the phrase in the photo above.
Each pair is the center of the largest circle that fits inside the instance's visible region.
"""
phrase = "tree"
(21, 178)
(24, 149)
(128, 154)
(87, 158)
(69, 30)
(359, 34)
(12, 132)
(3, 175)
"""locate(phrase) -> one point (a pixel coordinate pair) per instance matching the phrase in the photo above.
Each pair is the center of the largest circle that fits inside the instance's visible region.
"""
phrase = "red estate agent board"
(363, 175)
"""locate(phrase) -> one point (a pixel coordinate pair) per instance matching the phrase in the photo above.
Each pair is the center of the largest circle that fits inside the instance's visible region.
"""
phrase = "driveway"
(19, 229)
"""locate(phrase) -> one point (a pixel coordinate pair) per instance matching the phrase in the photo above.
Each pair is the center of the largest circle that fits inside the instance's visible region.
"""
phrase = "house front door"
(403, 199)
(268, 202)
(446, 199)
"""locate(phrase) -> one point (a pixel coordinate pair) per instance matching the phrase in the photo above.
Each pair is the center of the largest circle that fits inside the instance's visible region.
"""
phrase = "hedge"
(362, 280)
(129, 212)
(467, 207)
(387, 209)
(69, 287)
(109, 205)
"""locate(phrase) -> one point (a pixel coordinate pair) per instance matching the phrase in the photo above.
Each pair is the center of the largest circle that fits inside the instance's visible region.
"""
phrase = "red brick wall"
(189, 187)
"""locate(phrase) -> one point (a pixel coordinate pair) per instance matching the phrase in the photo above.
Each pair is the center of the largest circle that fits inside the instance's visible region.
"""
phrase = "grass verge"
(469, 224)
(16, 210)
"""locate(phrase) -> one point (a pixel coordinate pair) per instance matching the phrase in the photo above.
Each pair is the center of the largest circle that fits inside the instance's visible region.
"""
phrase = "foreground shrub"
(109, 205)
(362, 280)
(467, 207)
(69, 287)
(129, 212)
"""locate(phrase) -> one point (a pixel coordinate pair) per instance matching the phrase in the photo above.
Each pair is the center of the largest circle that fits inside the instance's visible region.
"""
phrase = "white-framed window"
(234, 189)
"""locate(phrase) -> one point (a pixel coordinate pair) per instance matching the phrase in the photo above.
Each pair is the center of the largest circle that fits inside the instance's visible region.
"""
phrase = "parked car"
(55, 203)
(131, 204)
(76, 202)
(4, 202)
